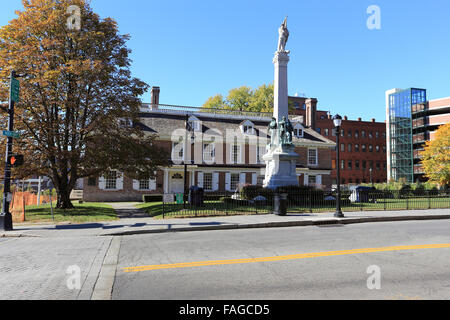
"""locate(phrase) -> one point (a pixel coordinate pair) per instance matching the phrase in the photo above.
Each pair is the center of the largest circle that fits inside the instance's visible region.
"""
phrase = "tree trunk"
(64, 199)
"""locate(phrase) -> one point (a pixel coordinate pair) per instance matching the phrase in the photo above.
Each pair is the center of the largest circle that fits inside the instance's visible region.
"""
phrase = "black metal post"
(184, 161)
(5, 217)
(338, 213)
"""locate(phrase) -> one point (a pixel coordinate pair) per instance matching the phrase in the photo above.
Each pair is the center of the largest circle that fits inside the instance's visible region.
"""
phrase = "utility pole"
(5, 216)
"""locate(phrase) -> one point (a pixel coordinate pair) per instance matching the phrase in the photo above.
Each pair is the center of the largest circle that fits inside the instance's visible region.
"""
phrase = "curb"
(331, 221)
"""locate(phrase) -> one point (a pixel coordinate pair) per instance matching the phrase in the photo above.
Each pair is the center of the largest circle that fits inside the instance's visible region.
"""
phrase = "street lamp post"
(337, 120)
(189, 129)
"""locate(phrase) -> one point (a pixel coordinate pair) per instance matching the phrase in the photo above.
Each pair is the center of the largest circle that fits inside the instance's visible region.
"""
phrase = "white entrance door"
(176, 182)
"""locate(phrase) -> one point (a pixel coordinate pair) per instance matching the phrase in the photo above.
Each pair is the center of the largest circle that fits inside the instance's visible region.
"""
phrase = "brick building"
(223, 151)
(362, 143)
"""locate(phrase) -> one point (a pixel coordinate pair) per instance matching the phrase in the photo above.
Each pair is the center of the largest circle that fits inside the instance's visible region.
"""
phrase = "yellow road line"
(282, 258)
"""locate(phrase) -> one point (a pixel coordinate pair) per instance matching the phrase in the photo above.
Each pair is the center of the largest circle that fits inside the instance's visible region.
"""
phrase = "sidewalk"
(136, 222)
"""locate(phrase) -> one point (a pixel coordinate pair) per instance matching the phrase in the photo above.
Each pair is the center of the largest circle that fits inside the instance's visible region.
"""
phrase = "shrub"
(148, 198)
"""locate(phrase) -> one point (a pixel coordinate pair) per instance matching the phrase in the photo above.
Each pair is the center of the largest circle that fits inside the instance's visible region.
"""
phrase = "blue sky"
(196, 49)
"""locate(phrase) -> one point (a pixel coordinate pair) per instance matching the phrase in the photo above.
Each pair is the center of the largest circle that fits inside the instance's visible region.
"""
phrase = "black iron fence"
(312, 201)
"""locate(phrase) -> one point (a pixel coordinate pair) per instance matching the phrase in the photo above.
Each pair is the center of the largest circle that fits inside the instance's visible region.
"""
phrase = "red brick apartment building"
(362, 143)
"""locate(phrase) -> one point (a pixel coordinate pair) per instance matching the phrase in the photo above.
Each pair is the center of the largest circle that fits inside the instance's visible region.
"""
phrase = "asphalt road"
(220, 266)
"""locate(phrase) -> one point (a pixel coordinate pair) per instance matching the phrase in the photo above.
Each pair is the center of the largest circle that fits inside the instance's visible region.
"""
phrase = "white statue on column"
(284, 36)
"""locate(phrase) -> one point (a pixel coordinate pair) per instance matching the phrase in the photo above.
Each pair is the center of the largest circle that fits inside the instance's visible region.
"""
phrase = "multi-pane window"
(208, 181)
(318, 130)
(342, 133)
(349, 147)
(363, 148)
(357, 164)
(92, 181)
(178, 151)
(111, 180)
(312, 180)
(377, 134)
(363, 134)
(261, 152)
(356, 147)
(384, 149)
(377, 148)
(209, 153)
(356, 134)
(146, 184)
(370, 135)
(235, 153)
(298, 132)
(370, 148)
(195, 125)
(234, 181)
(342, 164)
(378, 166)
(248, 129)
(326, 132)
(349, 133)
(350, 165)
(342, 147)
(364, 164)
(312, 157)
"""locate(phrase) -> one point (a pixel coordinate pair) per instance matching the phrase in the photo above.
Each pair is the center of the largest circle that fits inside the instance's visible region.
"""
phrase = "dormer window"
(247, 127)
(195, 124)
(298, 130)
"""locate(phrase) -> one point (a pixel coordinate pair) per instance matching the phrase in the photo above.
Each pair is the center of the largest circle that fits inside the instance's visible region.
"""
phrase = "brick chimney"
(311, 109)
(155, 98)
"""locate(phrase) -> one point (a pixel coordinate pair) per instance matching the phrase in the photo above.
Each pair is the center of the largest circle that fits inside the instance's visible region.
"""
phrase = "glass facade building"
(401, 132)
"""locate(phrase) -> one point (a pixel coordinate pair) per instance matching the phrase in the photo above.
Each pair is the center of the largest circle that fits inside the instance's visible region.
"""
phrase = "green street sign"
(15, 90)
(11, 134)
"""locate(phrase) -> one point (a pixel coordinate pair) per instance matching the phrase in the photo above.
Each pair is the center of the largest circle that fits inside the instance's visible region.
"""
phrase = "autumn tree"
(436, 157)
(79, 105)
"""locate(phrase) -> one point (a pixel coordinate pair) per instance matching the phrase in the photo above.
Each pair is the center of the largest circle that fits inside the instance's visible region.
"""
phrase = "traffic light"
(15, 160)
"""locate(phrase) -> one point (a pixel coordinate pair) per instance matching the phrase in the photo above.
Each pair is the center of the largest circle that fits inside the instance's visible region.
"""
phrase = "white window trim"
(213, 159)
(316, 158)
(175, 154)
(239, 157)
(119, 182)
(151, 185)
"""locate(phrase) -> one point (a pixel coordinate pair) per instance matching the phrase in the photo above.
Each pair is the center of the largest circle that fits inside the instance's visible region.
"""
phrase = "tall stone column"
(281, 109)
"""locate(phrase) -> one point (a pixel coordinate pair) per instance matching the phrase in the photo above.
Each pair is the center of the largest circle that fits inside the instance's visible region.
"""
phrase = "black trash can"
(196, 196)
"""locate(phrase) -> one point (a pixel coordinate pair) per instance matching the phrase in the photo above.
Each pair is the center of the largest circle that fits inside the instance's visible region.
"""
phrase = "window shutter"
(119, 183)
(135, 184)
(305, 182)
(254, 179)
(200, 180)
(240, 159)
(215, 181)
(101, 183)
(228, 181)
(242, 178)
(153, 185)
(319, 181)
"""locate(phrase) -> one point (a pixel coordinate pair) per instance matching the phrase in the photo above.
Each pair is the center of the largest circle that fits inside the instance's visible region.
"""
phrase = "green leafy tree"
(79, 106)
(215, 102)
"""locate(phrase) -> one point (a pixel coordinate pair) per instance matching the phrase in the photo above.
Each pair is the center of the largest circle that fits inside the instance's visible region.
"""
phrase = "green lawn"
(82, 213)
(217, 208)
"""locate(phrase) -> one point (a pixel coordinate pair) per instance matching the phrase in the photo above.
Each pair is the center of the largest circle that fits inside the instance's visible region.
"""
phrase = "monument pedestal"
(281, 165)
